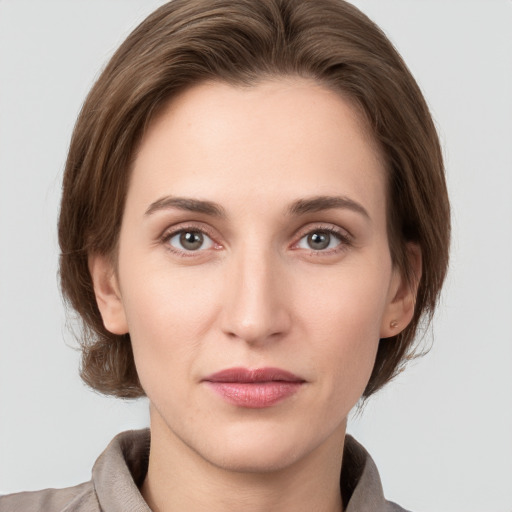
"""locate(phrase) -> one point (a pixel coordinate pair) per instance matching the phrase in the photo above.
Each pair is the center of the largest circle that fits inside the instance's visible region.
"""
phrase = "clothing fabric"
(120, 470)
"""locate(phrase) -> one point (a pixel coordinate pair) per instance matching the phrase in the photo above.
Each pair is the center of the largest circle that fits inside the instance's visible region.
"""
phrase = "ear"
(108, 295)
(402, 295)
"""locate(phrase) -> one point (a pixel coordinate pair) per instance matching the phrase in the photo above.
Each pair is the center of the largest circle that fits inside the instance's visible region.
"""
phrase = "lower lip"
(255, 395)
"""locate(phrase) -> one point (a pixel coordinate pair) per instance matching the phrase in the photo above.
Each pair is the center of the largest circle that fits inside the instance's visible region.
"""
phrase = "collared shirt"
(120, 470)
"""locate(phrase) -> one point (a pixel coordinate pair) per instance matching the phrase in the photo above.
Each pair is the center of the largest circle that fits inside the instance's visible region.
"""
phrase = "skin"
(257, 293)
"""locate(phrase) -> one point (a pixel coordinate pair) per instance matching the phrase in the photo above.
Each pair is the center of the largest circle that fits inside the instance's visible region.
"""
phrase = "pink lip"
(254, 389)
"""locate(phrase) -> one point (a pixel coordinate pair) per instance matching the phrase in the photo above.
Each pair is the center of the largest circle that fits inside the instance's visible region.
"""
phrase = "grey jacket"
(121, 468)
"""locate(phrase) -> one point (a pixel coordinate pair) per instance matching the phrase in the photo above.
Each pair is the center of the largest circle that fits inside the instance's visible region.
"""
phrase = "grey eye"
(189, 240)
(319, 240)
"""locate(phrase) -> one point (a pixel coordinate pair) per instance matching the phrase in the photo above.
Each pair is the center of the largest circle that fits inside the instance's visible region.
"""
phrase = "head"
(247, 45)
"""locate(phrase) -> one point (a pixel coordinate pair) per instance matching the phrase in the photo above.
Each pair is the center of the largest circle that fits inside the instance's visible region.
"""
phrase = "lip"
(254, 389)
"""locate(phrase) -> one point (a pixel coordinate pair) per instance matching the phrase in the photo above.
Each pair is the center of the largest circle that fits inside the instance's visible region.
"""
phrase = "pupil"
(319, 240)
(191, 240)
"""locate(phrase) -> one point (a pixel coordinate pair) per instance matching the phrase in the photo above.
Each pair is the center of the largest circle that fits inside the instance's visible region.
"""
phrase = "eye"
(189, 240)
(322, 240)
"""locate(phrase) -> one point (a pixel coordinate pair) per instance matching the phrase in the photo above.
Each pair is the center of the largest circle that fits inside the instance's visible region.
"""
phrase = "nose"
(255, 308)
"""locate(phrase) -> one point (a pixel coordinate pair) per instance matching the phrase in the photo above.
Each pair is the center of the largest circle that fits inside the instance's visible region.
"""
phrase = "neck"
(179, 478)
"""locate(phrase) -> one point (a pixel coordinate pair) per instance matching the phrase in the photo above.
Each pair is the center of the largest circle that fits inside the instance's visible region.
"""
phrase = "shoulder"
(116, 476)
(361, 485)
(80, 498)
(393, 507)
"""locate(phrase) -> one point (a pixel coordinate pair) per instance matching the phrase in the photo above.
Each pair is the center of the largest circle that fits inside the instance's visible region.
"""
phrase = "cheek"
(346, 338)
(343, 319)
(167, 316)
(350, 300)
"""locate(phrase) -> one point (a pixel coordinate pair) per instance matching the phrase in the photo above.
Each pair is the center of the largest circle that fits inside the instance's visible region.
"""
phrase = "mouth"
(254, 389)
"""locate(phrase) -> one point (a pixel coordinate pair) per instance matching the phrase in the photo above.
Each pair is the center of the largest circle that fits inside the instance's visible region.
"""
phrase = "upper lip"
(245, 375)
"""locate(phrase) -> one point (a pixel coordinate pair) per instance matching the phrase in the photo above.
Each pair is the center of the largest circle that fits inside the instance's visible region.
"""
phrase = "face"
(254, 273)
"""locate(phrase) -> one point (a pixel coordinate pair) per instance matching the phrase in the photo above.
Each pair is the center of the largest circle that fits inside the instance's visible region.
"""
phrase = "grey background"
(441, 434)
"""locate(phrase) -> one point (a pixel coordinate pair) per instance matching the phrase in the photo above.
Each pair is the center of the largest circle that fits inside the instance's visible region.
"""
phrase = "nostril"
(269, 328)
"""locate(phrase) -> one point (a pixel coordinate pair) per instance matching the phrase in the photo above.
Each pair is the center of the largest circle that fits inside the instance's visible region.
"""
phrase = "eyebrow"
(187, 204)
(320, 203)
(297, 208)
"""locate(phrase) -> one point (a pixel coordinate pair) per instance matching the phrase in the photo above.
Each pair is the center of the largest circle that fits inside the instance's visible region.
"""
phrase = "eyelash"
(168, 235)
(345, 239)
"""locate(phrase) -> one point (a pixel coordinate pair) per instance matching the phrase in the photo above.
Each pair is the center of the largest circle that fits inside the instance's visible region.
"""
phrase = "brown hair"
(185, 42)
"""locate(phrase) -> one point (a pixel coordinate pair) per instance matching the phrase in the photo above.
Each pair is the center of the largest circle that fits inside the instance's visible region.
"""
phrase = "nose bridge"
(254, 309)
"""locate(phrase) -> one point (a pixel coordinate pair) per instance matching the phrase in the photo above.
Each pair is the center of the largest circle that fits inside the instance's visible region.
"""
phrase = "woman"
(254, 221)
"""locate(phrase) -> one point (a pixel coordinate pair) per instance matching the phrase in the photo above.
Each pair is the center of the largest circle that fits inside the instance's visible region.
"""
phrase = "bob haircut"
(243, 42)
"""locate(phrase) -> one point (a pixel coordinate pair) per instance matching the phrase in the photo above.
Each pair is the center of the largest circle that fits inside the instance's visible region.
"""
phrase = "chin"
(267, 450)
(254, 459)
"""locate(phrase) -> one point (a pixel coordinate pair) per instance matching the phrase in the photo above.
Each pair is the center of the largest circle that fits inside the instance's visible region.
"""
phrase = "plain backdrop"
(441, 433)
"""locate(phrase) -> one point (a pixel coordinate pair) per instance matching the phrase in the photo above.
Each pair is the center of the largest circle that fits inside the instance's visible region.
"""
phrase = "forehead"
(275, 141)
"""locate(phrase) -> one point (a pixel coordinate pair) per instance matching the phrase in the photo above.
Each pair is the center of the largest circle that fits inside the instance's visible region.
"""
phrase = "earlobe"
(402, 297)
(108, 295)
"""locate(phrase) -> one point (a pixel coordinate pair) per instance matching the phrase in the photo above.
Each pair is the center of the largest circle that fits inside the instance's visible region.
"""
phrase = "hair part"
(243, 42)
